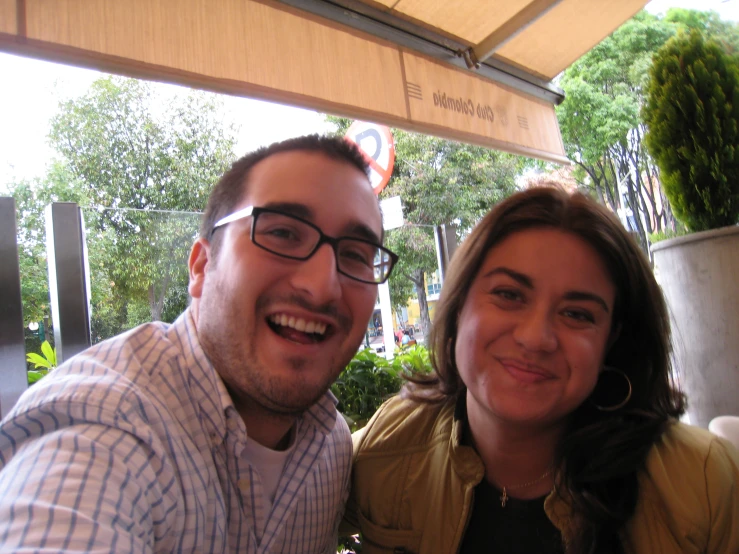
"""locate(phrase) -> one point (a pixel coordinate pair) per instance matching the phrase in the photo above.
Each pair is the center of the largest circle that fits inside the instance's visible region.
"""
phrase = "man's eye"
(282, 233)
(358, 256)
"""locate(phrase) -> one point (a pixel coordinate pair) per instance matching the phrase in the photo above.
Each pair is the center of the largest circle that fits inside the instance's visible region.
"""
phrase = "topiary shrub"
(692, 115)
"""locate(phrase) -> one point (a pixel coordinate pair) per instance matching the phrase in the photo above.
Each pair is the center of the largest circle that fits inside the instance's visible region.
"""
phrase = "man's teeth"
(299, 324)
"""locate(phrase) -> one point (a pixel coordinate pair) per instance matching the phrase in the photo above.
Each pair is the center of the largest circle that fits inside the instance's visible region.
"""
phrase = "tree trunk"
(417, 277)
(154, 305)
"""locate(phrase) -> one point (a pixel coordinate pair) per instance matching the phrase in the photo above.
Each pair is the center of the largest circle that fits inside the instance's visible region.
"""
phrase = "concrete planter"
(699, 275)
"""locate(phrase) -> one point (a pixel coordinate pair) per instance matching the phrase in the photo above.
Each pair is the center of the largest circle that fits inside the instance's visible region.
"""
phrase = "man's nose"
(535, 331)
(318, 277)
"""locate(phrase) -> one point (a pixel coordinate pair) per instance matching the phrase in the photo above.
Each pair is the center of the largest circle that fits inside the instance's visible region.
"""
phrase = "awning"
(476, 70)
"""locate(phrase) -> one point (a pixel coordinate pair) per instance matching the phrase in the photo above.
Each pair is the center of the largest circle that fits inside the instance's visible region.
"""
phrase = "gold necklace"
(504, 497)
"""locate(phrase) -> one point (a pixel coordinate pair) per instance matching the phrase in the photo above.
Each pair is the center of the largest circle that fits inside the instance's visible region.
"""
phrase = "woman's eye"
(579, 315)
(507, 294)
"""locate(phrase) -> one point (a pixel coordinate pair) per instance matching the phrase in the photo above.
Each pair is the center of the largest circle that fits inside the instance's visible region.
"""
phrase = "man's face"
(250, 306)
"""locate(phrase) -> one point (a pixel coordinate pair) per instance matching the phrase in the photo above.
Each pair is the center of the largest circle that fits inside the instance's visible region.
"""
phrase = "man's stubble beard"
(233, 352)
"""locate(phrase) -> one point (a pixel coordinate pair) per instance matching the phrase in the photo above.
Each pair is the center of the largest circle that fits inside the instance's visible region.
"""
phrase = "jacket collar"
(467, 463)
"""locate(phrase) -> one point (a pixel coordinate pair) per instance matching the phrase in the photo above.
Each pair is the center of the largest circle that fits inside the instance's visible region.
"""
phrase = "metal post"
(445, 237)
(68, 279)
(12, 348)
(387, 319)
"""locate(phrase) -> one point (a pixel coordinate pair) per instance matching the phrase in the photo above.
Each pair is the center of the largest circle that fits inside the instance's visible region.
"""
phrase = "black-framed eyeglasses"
(297, 239)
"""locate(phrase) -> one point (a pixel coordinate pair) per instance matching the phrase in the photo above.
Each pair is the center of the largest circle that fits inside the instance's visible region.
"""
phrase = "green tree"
(601, 125)
(692, 111)
(370, 379)
(31, 199)
(417, 256)
(600, 118)
(135, 154)
(708, 24)
(440, 182)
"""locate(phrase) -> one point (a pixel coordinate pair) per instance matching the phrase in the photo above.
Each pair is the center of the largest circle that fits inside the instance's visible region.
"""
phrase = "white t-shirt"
(269, 464)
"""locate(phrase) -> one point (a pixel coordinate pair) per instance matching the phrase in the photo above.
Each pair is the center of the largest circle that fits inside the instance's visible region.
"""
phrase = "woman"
(550, 423)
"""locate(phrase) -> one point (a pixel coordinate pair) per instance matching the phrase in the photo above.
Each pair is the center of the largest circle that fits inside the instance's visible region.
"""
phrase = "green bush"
(43, 363)
(665, 234)
(363, 386)
(370, 379)
(692, 115)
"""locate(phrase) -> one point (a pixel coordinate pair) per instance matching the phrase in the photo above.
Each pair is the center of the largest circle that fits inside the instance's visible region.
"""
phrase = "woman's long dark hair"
(601, 452)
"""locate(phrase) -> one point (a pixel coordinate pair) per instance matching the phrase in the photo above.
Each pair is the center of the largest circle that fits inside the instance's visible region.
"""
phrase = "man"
(216, 433)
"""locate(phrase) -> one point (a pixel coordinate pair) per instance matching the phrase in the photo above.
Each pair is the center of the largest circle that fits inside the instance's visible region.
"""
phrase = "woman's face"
(534, 328)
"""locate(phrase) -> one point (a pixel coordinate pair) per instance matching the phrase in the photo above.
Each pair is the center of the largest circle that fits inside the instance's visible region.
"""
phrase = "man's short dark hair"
(232, 186)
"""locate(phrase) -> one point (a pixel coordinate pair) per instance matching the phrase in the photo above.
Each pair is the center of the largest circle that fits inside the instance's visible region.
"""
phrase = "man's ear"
(198, 265)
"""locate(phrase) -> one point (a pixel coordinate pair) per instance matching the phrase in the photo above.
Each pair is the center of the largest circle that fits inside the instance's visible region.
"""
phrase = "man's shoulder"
(120, 377)
(326, 419)
(133, 354)
(128, 360)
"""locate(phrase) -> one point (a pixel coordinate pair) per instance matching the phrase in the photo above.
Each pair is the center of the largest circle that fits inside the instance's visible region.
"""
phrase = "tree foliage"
(708, 24)
(31, 199)
(601, 122)
(415, 247)
(133, 155)
(440, 182)
(135, 161)
(370, 379)
(601, 126)
(692, 112)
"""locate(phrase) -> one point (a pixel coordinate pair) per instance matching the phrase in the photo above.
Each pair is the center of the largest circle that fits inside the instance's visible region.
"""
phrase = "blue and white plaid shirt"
(134, 446)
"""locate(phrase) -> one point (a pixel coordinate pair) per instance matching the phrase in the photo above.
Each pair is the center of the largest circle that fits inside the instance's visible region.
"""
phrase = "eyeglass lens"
(287, 236)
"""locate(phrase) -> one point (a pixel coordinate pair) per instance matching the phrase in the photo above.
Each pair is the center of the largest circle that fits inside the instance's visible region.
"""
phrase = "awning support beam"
(475, 55)
(381, 24)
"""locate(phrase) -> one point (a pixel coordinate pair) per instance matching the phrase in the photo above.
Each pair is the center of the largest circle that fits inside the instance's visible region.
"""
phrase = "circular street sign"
(376, 143)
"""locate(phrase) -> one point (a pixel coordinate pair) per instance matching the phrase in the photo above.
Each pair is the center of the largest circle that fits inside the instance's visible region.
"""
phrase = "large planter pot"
(699, 275)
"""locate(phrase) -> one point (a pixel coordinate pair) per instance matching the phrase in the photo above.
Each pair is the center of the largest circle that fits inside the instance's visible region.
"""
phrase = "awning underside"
(477, 71)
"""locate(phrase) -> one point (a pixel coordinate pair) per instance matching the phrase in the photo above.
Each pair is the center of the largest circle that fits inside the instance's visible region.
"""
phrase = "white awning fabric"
(475, 70)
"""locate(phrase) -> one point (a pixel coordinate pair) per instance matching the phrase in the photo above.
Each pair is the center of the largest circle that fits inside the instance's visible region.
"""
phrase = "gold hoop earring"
(624, 401)
(450, 350)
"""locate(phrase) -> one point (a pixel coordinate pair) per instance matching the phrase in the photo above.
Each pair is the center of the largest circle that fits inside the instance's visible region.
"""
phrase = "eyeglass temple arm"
(240, 214)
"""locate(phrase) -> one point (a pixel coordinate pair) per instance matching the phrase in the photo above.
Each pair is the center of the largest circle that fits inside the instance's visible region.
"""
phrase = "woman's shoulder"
(684, 447)
(402, 424)
(691, 484)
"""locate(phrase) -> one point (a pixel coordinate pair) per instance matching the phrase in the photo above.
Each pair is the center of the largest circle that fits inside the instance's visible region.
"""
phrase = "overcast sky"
(31, 90)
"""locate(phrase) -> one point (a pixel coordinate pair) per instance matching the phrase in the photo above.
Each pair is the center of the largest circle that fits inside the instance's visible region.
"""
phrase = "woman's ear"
(198, 265)
(615, 333)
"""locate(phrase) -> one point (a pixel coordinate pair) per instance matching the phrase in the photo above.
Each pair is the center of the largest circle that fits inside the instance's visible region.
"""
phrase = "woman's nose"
(535, 332)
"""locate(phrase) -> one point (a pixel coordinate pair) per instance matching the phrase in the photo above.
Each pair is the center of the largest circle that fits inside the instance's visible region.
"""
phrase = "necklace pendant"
(503, 498)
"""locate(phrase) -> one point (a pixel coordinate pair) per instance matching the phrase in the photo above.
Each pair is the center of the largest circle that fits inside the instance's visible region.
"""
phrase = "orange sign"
(376, 142)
